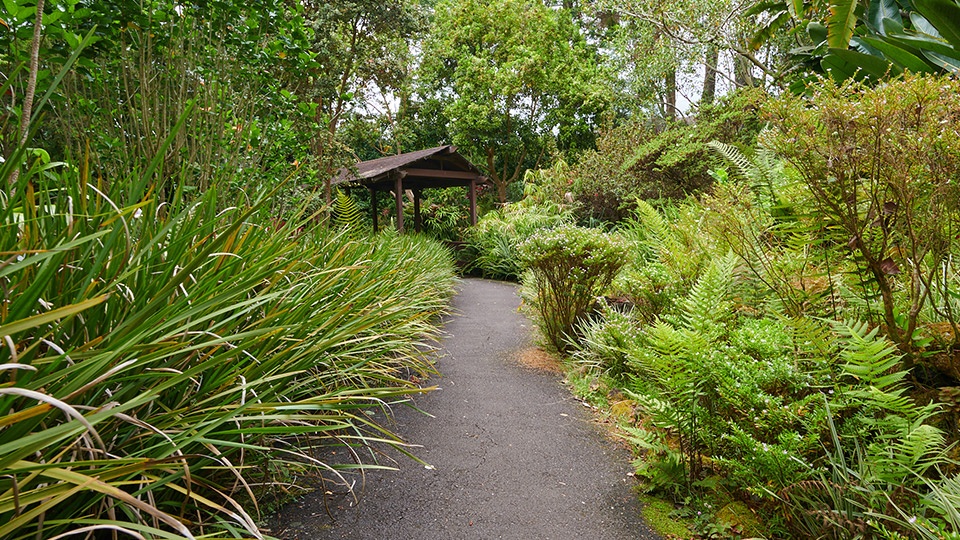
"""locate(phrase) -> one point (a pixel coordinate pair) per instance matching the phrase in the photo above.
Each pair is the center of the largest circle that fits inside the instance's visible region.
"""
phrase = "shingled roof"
(437, 167)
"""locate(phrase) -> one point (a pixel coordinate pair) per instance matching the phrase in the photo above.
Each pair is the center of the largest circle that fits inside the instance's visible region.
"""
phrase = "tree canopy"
(517, 79)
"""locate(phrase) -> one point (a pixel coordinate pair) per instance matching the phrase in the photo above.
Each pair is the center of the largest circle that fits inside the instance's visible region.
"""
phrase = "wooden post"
(398, 199)
(373, 209)
(417, 220)
(473, 202)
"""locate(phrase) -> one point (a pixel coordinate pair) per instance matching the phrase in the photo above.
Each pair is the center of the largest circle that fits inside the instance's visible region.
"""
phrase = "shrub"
(570, 267)
(881, 165)
(492, 244)
(640, 160)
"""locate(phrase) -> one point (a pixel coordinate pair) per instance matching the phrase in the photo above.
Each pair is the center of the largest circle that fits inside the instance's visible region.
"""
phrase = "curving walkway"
(512, 455)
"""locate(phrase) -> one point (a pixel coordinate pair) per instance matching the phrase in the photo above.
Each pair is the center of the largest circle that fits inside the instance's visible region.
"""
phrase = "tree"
(515, 78)
(684, 37)
(358, 47)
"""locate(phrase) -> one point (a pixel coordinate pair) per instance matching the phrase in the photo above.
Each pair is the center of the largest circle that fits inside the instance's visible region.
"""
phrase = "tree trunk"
(710, 75)
(670, 100)
(497, 179)
(743, 72)
(27, 109)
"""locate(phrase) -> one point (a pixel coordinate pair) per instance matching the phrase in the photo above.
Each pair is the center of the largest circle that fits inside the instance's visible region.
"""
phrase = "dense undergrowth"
(164, 366)
(781, 351)
(177, 336)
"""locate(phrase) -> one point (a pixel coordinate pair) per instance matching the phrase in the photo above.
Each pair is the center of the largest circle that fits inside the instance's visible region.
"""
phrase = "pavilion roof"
(437, 167)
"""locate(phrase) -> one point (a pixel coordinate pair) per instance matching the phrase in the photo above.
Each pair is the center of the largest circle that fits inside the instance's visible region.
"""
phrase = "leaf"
(878, 10)
(841, 22)
(921, 43)
(891, 27)
(948, 63)
(860, 45)
(50, 316)
(796, 8)
(889, 267)
(921, 24)
(766, 33)
(95, 484)
(944, 15)
(899, 55)
(843, 64)
(817, 32)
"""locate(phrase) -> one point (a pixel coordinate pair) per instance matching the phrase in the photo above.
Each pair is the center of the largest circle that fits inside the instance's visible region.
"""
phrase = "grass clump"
(163, 366)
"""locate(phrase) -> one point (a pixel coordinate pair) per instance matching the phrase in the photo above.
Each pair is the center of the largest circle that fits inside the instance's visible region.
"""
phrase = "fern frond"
(868, 358)
(346, 213)
(759, 171)
(707, 304)
(743, 167)
(654, 224)
(912, 452)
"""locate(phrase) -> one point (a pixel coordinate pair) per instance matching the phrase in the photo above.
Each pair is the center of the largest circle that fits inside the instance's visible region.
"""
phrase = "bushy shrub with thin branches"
(571, 267)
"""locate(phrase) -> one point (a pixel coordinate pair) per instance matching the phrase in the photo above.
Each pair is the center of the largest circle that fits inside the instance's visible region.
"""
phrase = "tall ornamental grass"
(163, 365)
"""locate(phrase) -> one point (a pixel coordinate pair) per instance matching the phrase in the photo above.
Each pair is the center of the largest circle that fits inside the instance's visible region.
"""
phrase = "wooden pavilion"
(440, 167)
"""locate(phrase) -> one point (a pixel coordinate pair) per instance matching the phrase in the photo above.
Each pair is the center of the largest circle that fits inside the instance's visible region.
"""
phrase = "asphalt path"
(510, 453)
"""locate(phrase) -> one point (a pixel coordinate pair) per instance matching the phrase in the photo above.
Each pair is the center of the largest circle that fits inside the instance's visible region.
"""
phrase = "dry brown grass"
(540, 360)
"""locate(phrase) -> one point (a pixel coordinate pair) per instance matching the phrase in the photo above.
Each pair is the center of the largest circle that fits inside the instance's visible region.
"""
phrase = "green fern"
(660, 240)
(813, 338)
(707, 305)
(912, 451)
(347, 214)
(869, 359)
(760, 172)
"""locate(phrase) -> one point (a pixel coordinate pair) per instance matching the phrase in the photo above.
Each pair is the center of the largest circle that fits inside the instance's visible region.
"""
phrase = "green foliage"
(213, 349)
(606, 341)
(510, 74)
(346, 213)
(571, 266)
(734, 398)
(446, 214)
(885, 39)
(640, 160)
(494, 240)
(167, 361)
(665, 259)
(879, 166)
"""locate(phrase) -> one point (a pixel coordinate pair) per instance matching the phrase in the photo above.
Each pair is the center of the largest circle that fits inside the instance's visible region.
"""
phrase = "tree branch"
(27, 110)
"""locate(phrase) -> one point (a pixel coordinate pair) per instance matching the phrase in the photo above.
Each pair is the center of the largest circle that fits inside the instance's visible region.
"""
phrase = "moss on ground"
(657, 512)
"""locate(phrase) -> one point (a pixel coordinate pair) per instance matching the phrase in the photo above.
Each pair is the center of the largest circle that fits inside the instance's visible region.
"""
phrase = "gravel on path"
(511, 453)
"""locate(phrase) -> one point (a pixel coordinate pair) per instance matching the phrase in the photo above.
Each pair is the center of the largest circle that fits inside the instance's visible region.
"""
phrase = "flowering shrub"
(492, 244)
(570, 266)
